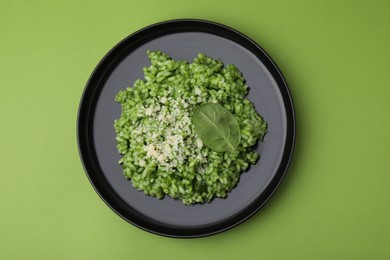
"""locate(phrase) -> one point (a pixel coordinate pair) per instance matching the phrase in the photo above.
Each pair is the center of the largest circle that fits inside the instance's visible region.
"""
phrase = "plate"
(184, 39)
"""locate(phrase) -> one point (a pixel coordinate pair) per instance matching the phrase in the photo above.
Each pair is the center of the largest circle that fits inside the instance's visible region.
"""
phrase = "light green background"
(334, 202)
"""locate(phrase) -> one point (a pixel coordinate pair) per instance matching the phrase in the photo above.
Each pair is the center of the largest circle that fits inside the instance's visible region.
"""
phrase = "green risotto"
(187, 130)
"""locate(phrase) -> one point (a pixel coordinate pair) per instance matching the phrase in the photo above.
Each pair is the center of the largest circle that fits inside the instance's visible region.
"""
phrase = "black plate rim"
(86, 154)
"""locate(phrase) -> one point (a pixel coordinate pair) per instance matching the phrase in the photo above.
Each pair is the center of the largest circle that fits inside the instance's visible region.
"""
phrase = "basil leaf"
(216, 127)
